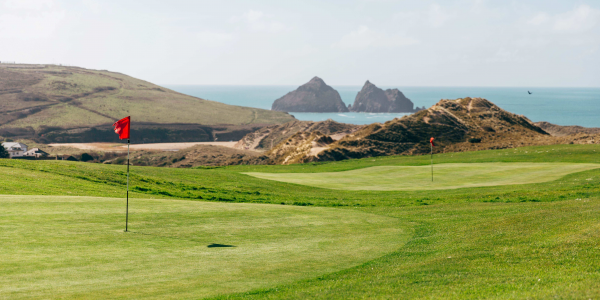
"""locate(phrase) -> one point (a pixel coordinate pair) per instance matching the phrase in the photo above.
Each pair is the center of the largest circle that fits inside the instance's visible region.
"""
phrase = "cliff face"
(314, 96)
(399, 102)
(373, 99)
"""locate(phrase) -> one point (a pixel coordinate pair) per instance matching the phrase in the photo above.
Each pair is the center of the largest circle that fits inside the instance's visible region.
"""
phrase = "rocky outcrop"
(314, 96)
(375, 100)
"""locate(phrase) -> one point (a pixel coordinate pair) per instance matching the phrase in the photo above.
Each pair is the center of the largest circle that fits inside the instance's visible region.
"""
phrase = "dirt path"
(122, 147)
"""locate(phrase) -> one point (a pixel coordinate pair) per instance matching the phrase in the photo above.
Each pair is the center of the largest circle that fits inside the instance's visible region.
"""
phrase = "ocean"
(562, 106)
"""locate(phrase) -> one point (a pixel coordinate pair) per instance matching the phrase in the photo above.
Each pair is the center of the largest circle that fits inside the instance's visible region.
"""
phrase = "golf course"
(508, 223)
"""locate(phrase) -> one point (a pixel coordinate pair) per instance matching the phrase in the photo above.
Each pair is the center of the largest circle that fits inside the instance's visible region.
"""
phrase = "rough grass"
(77, 97)
(446, 176)
(75, 247)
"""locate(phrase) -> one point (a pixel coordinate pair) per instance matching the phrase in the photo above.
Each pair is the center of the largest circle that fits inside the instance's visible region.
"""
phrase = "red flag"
(431, 141)
(122, 128)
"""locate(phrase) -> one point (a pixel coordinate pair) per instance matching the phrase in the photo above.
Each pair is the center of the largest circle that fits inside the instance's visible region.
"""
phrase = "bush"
(86, 157)
(3, 152)
(474, 140)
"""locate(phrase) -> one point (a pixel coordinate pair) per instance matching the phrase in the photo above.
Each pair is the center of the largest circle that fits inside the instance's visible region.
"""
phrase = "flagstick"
(431, 162)
(127, 209)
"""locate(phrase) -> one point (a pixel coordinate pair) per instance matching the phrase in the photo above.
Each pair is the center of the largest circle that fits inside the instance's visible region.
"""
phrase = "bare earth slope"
(558, 130)
(34, 98)
(455, 124)
(270, 136)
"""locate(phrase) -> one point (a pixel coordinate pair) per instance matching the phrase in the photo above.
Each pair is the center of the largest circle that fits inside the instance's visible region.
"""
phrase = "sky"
(391, 43)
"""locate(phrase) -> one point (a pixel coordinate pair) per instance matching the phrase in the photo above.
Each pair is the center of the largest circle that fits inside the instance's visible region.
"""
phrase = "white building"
(15, 149)
(35, 152)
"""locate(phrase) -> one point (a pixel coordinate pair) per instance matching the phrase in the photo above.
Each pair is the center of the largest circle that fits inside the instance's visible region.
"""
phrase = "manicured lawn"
(446, 176)
(474, 251)
(75, 247)
(516, 239)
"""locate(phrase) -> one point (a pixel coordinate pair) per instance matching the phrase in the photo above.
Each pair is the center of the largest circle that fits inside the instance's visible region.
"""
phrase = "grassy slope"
(228, 184)
(144, 101)
(474, 251)
(447, 176)
(466, 243)
(166, 253)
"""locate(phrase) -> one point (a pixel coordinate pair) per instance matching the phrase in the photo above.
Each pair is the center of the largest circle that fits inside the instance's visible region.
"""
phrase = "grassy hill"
(38, 99)
(514, 239)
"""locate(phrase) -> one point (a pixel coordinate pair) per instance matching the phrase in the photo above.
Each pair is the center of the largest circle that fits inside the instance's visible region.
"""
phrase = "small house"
(15, 149)
(36, 152)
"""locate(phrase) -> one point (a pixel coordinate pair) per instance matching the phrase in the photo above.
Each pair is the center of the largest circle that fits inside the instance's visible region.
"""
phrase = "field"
(527, 240)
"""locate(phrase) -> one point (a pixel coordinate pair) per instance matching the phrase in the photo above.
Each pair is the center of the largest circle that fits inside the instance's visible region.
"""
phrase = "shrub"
(474, 140)
(86, 157)
(3, 152)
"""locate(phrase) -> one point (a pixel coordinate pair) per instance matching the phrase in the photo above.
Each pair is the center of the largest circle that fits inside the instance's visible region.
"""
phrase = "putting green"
(75, 247)
(446, 176)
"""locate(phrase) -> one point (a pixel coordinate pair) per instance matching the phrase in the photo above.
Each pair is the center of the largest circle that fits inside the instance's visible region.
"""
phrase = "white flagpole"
(127, 209)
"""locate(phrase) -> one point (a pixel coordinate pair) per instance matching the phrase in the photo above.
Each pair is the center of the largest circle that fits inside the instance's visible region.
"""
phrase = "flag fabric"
(122, 128)
(431, 141)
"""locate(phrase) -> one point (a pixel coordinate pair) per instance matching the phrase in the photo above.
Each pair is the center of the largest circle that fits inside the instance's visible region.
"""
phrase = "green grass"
(528, 240)
(75, 247)
(474, 251)
(447, 176)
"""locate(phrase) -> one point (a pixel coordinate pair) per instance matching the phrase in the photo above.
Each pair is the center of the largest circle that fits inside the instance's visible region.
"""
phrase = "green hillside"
(529, 238)
(38, 96)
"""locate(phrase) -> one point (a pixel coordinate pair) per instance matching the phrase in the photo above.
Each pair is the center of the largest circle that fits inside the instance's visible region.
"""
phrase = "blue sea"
(562, 106)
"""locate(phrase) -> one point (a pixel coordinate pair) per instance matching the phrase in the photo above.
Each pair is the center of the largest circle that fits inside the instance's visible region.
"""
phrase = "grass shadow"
(213, 245)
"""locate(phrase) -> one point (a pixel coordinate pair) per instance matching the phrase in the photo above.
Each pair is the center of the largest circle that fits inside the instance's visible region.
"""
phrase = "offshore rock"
(314, 96)
(375, 100)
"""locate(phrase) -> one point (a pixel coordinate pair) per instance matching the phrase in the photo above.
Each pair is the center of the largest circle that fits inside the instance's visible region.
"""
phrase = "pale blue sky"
(393, 43)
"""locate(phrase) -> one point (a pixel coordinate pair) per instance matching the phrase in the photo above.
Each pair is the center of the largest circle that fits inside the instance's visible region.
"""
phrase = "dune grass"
(445, 176)
(75, 247)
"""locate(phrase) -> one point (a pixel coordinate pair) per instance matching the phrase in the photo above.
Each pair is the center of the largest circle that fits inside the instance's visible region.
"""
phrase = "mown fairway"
(446, 176)
(75, 247)
(526, 240)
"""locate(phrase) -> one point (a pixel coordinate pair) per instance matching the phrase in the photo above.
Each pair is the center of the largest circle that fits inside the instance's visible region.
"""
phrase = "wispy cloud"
(438, 16)
(539, 19)
(259, 21)
(28, 4)
(212, 38)
(581, 18)
(364, 37)
(30, 27)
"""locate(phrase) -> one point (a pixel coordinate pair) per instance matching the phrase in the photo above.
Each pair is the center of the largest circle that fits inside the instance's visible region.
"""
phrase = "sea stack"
(375, 100)
(314, 96)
